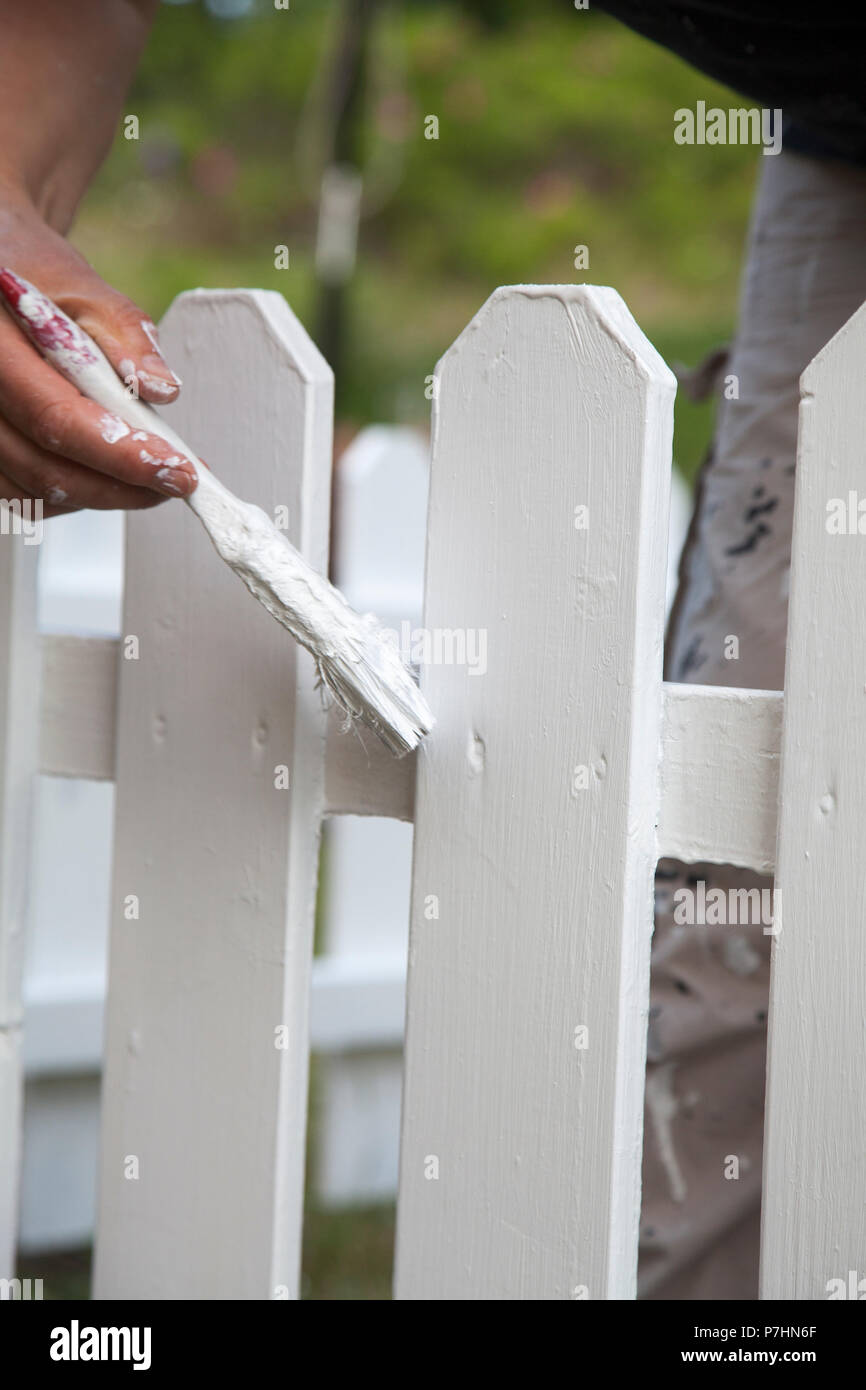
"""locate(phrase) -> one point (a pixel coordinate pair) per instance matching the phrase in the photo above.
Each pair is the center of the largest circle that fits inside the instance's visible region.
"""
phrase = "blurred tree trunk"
(339, 205)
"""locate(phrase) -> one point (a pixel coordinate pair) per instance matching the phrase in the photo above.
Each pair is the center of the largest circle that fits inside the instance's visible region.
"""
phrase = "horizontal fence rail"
(719, 769)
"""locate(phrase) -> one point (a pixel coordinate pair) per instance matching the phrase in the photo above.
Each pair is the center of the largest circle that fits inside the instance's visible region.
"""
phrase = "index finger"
(51, 412)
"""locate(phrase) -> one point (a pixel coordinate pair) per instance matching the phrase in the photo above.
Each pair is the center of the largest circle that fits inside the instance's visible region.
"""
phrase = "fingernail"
(175, 481)
(159, 364)
(156, 363)
(155, 374)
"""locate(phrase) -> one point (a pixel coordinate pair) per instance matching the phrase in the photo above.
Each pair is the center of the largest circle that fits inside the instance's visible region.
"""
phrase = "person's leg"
(805, 276)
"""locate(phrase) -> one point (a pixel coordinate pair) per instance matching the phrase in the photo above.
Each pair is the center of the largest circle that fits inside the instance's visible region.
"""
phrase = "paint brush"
(356, 660)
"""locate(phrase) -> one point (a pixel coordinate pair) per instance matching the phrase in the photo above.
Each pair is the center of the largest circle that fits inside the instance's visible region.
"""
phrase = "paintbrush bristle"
(356, 660)
(378, 689)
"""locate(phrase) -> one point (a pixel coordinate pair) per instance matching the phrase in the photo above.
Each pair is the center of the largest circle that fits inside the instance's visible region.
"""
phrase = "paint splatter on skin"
(149, 328)
(56, 496)
(155, 384)
(173, 460)
(174, 463)
(112, 428)
(166, 477)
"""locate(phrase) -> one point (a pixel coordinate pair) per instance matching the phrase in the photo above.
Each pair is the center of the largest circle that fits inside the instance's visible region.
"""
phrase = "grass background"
(555, 130)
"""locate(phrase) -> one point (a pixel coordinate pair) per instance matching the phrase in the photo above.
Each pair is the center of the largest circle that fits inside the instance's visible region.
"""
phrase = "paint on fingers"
(148, 327)
(112, 428)
(153, 382)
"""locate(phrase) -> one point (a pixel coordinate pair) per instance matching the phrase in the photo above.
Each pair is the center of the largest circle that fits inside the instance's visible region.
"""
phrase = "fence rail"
(551, 785)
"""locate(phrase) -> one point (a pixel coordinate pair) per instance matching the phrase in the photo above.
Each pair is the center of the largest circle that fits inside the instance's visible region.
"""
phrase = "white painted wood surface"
(720, 752)
(814, 1207)
(223, 862)
(362, 778)
(379, 531)
(19, 731)
(79, 707)
(720, 775)
(532, 897)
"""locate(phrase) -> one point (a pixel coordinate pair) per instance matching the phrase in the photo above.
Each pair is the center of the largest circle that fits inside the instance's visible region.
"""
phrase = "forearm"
(65, 66)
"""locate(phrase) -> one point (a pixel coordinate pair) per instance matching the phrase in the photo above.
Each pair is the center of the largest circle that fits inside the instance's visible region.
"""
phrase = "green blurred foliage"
(555, 130)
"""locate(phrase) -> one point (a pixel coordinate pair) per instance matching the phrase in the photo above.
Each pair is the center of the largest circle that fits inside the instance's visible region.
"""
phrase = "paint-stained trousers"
(805, 275)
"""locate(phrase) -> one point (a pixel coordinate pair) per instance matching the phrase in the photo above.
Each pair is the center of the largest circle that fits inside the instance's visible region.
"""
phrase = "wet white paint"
(166, 479)
(148, 327)
(112, 428)
(156, 385)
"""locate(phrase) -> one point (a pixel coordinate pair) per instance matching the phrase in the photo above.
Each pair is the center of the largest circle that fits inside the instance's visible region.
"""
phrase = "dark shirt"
(806, 58)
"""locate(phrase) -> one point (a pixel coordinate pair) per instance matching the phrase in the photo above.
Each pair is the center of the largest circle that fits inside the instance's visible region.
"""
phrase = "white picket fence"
(358, 981)
(550, 786)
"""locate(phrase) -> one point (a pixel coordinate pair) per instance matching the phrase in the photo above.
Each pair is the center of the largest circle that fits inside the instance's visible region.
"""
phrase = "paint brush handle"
(74, 354)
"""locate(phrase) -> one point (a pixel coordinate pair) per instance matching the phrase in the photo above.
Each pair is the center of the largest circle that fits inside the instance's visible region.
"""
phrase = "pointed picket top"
(220, 770)
(814, 1204)
(536, 804)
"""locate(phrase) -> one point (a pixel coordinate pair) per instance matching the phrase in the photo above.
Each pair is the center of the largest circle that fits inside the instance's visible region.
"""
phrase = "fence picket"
(536, 803)
(19, 742)
(814, 1204)
(204, 1114)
